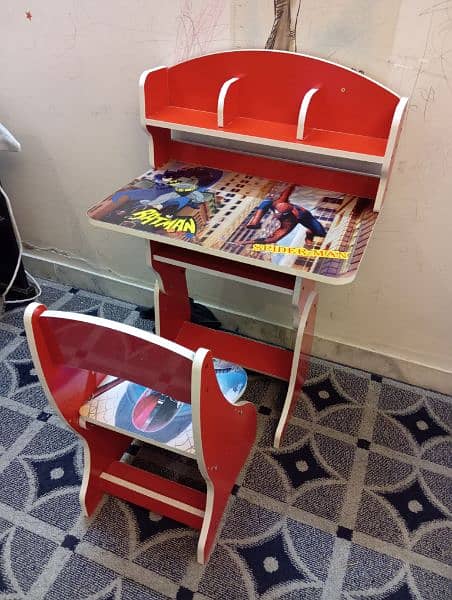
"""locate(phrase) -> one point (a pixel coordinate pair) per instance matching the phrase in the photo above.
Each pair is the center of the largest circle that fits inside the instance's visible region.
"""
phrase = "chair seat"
(153, 417)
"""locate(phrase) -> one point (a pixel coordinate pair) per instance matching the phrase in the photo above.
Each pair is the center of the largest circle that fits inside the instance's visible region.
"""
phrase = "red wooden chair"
(73, 354)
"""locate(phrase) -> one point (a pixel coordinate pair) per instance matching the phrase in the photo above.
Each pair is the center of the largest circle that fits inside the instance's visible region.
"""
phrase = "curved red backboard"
(272, 85)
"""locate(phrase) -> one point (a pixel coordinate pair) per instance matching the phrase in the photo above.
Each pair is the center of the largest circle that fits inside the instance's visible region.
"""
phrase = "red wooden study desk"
(269, 168)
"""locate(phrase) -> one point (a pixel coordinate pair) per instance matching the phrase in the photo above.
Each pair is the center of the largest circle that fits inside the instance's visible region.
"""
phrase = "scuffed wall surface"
(401, 301)
(69, 92)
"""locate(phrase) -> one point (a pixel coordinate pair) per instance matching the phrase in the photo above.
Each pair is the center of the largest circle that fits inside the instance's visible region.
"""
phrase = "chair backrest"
(101, 347)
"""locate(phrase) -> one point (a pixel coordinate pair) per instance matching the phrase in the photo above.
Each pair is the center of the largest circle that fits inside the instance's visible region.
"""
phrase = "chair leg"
(224, 435)
(217, 499)
(101, 448)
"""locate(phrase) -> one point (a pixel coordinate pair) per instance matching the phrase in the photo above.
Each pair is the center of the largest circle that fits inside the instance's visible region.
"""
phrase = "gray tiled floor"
(356, 504)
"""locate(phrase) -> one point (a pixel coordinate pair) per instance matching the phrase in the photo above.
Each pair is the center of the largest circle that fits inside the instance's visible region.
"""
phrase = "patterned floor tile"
(405, 503)
(414, 422)
(13, 424)
(373, 575)
(6, 337)
(137, 321)
(51, 292)
(19, 352)
(355, 504)
(267, 557)
(18, 379)
(45, 476)
(311, 474)
(333, 398)
(23, 557)
(98, 306)
(83, 579)
(143, 537)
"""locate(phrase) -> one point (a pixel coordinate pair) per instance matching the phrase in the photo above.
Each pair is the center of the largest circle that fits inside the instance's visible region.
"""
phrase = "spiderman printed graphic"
(289, 216)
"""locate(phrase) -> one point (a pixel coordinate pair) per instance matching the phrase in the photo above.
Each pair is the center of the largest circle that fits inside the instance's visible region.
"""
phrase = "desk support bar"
(172, 318)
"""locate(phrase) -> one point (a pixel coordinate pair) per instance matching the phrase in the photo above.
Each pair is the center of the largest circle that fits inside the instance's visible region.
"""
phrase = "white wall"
(69, 93)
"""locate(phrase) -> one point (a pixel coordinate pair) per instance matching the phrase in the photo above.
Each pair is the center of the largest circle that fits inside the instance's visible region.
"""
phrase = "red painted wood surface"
(157, 79)
(283, 132)
(174, 317)
(70, 388)
(98, 348)
(69, 354)
(171, 489)
(227, 432)
(250, 354)
(279, 170)
(161, 145)
(221, 265)
(173, 301)
(272, 86)
(103, 447)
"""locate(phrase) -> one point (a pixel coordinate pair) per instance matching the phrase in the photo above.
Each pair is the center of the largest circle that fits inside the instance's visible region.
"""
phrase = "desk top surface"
(300, 230)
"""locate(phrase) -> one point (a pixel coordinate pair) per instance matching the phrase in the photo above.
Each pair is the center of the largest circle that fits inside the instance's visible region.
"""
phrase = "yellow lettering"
(151, 216)
(319, 253)
(190, 226)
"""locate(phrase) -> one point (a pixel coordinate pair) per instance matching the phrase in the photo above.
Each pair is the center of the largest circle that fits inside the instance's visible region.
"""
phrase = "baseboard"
(76, 273)
(80, 274)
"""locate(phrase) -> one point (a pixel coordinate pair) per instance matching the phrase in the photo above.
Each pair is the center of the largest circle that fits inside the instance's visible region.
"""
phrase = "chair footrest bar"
(165, 497)
(249, 354)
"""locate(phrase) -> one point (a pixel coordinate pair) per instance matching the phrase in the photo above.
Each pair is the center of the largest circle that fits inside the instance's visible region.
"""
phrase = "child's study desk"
(267, 167)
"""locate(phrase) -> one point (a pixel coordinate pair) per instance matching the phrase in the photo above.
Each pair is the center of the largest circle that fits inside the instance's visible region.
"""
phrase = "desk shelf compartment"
(280, 100)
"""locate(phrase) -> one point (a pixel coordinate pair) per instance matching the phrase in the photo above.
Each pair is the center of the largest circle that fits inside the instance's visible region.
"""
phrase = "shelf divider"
(303, 113)
(228, 102)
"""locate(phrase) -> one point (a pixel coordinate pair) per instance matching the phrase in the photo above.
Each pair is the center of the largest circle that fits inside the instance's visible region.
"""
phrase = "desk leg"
(305, 307)
(171, 301)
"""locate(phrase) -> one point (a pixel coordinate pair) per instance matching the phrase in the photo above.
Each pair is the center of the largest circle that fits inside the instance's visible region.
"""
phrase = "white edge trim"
(7, 141)
(394, 133)
(212, 272)
(123, 328)
(157, 291)
(196, 377)
(38, 367)
(221, 254)
(222, 98)
(296, 294)
(141, 98)
(154, 495)
(324, 60)
(151, 152)
(304, 106)
(312, 298)
(300, 146)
